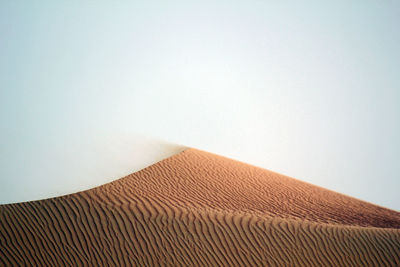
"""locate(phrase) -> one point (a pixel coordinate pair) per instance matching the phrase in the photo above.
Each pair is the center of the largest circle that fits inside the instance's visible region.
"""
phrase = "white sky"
(309, 90)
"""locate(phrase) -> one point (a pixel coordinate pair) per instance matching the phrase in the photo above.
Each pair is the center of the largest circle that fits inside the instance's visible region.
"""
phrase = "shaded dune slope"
(200, 209)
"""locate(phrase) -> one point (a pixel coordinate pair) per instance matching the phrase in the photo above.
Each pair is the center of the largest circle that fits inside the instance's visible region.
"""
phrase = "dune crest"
(86, 161)
(199, 209)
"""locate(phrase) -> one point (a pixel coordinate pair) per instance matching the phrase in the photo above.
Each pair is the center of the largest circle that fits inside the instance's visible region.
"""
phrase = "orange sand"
(200, 209)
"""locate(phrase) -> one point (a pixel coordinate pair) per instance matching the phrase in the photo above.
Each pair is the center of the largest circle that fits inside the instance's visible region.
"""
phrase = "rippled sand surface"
(200, 209)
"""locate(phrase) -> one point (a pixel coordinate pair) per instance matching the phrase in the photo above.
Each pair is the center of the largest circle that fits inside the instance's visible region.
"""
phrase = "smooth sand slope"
(200, 209)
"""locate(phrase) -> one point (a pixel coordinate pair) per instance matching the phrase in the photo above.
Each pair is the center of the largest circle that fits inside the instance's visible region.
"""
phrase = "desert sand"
(200, 209)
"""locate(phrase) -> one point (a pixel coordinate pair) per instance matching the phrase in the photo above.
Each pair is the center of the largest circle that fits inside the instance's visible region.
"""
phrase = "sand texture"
(200, 209)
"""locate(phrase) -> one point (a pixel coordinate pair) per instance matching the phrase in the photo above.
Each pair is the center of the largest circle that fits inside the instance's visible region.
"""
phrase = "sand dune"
(200, 209)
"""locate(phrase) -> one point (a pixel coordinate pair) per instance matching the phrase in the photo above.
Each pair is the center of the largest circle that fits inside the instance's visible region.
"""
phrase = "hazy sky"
(308, 89)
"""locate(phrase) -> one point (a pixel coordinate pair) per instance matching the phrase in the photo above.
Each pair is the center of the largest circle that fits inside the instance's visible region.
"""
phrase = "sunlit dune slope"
(200, 209)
